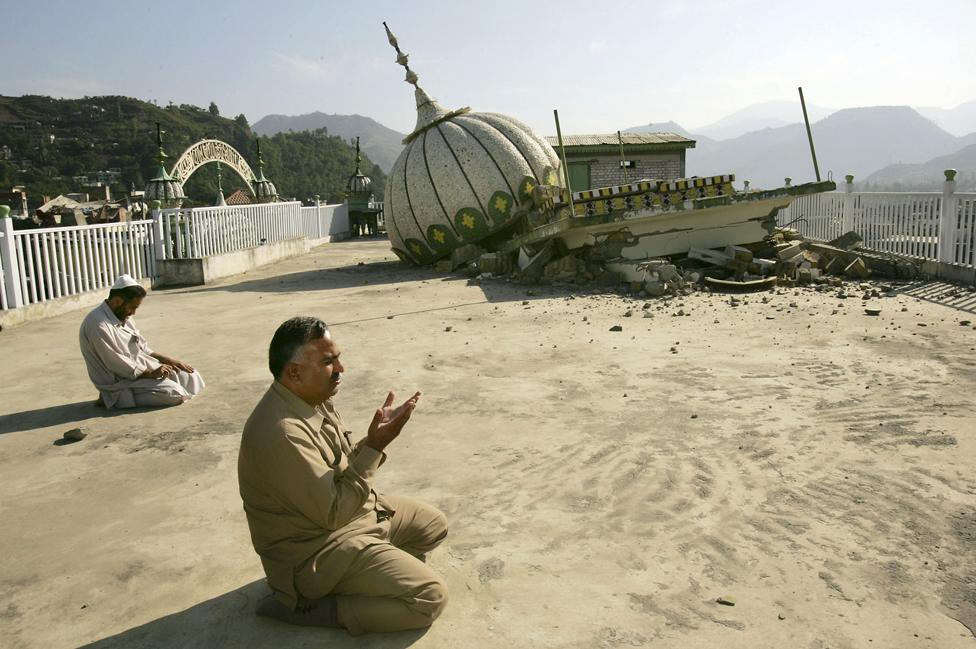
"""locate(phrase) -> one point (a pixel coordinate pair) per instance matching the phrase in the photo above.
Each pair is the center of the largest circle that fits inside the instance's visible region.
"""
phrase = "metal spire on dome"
(359, 158)
(429, 112)
(161, 173)
(264, 189)
(259, 177)
(220, 189)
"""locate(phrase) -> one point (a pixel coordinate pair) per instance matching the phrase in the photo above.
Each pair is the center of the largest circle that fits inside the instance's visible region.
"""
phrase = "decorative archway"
(206, 151)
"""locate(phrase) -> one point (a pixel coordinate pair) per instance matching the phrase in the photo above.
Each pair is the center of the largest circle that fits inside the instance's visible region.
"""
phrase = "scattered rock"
(964, 323)
(76, 434)
(725, 600)
(616, 328)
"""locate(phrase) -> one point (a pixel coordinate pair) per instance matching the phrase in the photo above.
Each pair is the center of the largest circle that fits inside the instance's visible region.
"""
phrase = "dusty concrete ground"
(604, 488)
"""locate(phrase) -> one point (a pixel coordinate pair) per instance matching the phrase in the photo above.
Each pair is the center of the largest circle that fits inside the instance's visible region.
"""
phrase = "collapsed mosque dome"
(462, 177)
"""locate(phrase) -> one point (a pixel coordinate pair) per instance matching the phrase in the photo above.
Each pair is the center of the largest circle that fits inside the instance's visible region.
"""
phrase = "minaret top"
(161, 173)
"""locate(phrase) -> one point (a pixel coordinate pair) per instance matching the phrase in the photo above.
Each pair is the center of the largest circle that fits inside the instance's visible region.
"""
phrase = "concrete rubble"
(784, 259)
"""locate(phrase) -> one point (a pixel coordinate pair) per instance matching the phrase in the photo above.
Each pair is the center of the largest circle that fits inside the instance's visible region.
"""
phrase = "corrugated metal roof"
(611, 138)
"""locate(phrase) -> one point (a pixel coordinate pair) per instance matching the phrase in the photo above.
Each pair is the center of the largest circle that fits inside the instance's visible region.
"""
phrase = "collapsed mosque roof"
(462, 177)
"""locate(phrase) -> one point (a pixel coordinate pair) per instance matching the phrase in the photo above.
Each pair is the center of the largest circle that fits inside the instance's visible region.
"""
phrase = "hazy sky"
(691, 62)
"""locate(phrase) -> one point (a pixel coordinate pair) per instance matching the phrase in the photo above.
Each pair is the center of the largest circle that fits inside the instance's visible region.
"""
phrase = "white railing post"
(948, 217)
(847, 217)
(8, 255)
(318, 215)
(157, 231)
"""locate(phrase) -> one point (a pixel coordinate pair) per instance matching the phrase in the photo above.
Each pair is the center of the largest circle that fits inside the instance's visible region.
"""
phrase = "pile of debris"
(782, 259)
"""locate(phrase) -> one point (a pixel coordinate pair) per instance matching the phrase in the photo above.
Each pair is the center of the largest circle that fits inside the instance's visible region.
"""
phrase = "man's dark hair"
(128, 293)
(291, 335)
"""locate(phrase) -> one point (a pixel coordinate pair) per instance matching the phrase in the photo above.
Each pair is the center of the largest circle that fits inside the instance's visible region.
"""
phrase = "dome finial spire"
(359, 158)
(159, 144)
(429, 112)
(402, 57)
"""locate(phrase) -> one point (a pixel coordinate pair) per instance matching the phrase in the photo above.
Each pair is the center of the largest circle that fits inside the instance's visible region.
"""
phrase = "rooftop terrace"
(604, 488)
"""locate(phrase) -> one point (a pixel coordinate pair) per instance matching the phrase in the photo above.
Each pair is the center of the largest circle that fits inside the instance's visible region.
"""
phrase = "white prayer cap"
(124, 281)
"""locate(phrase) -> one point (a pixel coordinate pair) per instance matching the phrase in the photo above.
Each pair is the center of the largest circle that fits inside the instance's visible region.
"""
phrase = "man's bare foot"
(309, 612)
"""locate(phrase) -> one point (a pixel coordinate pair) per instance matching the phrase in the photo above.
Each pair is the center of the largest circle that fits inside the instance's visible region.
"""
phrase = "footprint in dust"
(491, 569)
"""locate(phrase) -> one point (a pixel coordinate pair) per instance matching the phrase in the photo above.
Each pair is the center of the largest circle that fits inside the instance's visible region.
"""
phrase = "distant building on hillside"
(594, 160)
(16, 199)
(239, 197)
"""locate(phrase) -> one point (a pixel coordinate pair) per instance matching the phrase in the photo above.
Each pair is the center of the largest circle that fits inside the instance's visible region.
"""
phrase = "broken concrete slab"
(739, 253)
(713, 257)
(846, 241)
(790, 250)
(878, 264)
(835, 266)
(857, 269)
(563, 268)
(465, 254)
(532, 265)
(496, 263)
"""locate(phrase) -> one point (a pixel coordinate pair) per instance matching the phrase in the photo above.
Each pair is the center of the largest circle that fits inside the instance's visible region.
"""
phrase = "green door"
(579, 176)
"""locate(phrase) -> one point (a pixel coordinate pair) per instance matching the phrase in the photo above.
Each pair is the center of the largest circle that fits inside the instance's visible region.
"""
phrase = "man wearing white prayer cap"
(120, 363)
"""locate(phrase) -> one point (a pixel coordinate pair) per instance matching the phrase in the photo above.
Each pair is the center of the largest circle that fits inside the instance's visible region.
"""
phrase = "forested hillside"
(47, 144)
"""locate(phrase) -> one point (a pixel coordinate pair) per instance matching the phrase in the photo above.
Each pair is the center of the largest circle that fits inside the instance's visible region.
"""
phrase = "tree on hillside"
(214, 110)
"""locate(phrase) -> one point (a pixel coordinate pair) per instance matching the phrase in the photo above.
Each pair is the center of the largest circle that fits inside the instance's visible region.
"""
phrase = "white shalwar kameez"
(116, 354)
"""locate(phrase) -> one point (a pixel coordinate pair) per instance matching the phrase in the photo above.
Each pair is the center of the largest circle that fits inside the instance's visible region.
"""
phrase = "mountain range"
(858, 141)
(888, 146)
(380, 143)
(768, 114)
(960, 120)
(928, 176)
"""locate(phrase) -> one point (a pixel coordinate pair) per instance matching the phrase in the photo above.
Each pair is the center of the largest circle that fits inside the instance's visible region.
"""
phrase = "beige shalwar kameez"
(116, 355)
(320, 528)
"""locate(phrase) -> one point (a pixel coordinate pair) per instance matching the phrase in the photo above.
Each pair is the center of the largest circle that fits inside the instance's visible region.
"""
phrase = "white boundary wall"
(326, 222)
(50, 263)
(933, 226)
(53, 264)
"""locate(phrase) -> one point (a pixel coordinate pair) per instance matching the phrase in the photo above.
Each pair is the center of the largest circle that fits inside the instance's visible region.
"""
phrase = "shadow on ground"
(394, 272)
(950, 295)
(63, 414)
(229, 621)
(321, 279)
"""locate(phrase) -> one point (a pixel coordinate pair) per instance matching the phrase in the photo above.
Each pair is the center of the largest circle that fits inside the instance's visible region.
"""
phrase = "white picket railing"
(965, 235)
(5, 302)
(900, 224)
(58, 262)
(819, 216)
(929, 226)
(48, 263)
(207, 231)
